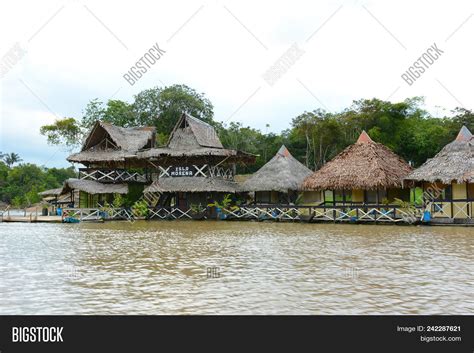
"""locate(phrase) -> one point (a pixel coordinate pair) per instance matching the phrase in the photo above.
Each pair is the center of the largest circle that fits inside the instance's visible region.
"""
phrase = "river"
(218, 267)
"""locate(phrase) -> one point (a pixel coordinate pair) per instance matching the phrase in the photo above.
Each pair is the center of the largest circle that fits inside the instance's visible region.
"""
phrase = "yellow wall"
(357, 195)
(460, 209)
(274, 197)
(312, 197)
(451, 209)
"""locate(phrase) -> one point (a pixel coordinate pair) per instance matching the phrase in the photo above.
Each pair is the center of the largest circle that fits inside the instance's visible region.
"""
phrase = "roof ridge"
(464, 134)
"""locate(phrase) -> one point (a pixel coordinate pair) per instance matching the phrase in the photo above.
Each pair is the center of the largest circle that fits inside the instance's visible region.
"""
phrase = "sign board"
(182, 171)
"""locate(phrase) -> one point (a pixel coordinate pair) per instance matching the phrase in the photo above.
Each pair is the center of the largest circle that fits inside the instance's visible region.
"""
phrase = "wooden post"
(452, 205)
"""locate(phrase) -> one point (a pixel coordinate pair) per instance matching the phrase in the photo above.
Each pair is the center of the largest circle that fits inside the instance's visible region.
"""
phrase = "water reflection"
(162, 268)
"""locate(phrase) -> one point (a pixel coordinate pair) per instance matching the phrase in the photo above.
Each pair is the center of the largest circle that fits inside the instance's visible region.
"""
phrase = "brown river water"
(217, 267)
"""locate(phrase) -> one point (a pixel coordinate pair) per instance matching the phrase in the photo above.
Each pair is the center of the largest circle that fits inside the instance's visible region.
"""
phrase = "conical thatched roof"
(364, 165)
(193, 184)
(107, 143)
(282, 173)
(455, 162)
(93, 187)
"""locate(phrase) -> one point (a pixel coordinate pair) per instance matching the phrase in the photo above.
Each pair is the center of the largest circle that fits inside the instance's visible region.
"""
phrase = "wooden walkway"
(31, 219)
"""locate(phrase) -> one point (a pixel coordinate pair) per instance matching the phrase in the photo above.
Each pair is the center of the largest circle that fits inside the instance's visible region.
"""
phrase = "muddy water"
(235, 268)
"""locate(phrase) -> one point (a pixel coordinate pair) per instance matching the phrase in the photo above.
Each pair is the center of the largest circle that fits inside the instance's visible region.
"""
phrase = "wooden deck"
(31, 219)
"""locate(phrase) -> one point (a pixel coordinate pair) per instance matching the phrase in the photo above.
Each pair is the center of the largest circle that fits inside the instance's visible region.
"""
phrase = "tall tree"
(159, 107)
(66, 132)
(11, 158)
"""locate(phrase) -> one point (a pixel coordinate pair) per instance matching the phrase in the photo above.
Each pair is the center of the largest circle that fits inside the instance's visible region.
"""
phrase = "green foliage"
(404, 205)
(11, 158)
(135, 192)
(140, 208)
(118, 201)
(65, 132)
(21, 184)
(18, 202)
(227, 204)
(159, 107)
(196, 208)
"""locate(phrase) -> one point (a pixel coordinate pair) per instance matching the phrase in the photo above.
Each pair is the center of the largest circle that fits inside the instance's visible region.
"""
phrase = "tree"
(11, 158)
(24, 181)
(464, 117)
(66, 132)
(159, 107)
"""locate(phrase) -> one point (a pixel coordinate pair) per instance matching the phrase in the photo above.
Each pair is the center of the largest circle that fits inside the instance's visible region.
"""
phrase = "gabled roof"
(120, 143)
(282, 173)
(190, 132)
(125, 138)
(364, 165)
(455, 162)
(193, 138)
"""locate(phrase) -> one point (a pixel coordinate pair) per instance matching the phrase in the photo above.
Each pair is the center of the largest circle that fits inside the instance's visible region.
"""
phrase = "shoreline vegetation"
(314, 137)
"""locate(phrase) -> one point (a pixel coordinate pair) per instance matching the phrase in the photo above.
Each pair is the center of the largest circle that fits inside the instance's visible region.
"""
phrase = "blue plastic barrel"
(426, 216)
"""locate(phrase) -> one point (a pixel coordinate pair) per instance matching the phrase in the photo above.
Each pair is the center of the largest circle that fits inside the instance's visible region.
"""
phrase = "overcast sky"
(80, 50)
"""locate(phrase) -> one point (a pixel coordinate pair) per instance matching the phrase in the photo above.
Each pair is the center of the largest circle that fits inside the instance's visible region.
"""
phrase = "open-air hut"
(193, 168)
(90, 193)
(447, 179)
(108, 152)
(55, 198)
(366, 172)
(109, 156)
(279, 180)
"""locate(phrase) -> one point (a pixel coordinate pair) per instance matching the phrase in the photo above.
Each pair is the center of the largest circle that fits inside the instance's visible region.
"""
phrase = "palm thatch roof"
(190, 132)
(231, 155)
(192, 184)
(193, 138)
(282, 173)
(107, 142)
(51, 192)
(93, 187)
(364, 165)
(455, 162)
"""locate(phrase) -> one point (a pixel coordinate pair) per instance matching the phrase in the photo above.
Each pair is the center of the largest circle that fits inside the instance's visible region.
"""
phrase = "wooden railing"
(346, 213)
(454, 209)
(112, 175)
(94, 214)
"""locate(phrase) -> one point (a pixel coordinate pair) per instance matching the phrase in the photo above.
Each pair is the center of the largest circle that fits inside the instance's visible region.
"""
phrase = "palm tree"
(11, 158)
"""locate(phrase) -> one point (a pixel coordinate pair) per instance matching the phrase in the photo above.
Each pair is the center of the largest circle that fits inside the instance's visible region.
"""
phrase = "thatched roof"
(93, 187)
(232, 155)
(455, 162)
(192, 137)
(282, 173)
(51, 192)
(364, 165)
(190, 132)
(192, 184)
(107, 142)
